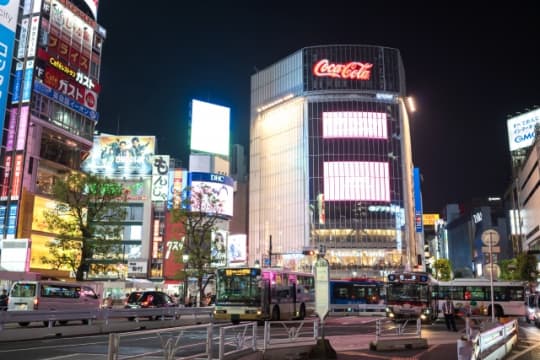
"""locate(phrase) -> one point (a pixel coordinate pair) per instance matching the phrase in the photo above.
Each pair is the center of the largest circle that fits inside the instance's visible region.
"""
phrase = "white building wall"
(529, 198)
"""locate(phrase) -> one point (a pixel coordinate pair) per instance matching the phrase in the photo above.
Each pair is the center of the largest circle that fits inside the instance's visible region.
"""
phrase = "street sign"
(492, 270)
(490, 236)
(494, 249)
(322, 288)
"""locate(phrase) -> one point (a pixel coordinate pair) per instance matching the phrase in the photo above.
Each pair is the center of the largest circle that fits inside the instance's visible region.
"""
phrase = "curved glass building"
(330, 161)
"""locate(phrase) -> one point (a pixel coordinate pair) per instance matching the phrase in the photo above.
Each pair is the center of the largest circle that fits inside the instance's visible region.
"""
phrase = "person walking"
(449, 317)
(3, 300)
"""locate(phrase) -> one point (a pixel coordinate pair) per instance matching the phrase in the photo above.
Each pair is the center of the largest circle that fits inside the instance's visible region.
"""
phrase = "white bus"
(473, 296)
(251, 293)
(51, 295)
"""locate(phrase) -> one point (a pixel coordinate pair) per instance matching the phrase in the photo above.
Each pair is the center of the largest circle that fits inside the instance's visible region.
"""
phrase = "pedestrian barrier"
(491, 341)
(390, 335)
(357, 309)
(172, 340)
(198, 341)
(89, 316)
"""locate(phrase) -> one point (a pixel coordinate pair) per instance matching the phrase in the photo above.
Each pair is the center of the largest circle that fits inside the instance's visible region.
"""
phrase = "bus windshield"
(238, 286)
(407, 292)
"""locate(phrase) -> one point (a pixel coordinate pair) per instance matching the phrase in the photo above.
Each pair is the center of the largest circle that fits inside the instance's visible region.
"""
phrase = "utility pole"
(270, 252)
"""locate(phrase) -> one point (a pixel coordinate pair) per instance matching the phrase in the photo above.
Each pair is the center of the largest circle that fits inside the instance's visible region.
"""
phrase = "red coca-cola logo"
(352, 70)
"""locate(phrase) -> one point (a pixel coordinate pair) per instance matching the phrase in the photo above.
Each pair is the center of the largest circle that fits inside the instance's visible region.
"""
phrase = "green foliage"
(509, 269)
(443, 269)
(86, 221)
(526, 267)
(203, 253)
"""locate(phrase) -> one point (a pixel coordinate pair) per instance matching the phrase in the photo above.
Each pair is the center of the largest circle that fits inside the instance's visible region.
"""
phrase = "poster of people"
(236, 248)
(121, 156)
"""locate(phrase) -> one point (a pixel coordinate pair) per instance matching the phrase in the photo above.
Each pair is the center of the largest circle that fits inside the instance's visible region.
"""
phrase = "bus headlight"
(218, 311)
(423, 317)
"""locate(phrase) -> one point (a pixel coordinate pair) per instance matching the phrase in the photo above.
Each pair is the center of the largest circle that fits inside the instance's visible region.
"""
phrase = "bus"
(251, 293)
(356, 291)
(410, 295)
(473, 296)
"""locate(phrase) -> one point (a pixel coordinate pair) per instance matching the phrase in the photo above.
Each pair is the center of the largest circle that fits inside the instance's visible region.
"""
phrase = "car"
(148, 299)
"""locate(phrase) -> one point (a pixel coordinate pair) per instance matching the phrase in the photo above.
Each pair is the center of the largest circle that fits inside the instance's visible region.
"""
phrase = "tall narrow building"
(50, 115)
(331, 162)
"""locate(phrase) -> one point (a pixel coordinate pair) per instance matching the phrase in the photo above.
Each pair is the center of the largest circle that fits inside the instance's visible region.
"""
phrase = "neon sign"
(352, 70)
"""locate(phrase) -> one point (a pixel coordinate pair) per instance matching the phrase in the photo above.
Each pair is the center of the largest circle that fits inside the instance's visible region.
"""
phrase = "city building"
(331, 163)
(460, 236)
(50, 115)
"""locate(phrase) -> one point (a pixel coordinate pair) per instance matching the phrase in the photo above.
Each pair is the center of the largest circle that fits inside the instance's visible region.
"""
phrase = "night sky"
(467, 67)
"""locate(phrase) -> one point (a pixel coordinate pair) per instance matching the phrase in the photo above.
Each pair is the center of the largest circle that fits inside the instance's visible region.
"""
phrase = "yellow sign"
(430, 219)
(236, 272)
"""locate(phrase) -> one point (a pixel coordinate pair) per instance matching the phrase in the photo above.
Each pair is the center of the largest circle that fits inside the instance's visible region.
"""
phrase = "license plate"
(22, 306)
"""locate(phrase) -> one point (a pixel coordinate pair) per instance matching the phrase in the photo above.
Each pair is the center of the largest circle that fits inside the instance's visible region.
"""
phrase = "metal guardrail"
(232, 340)
(387, 328)
(357, 309)
(171, 343)
(489, 341)
(88, 316)
(299, 333)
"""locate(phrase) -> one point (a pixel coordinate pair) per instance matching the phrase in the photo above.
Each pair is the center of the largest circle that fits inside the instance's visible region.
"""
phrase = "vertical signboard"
(418, 219)
(322, 288)
(160, 177)
(8, 24)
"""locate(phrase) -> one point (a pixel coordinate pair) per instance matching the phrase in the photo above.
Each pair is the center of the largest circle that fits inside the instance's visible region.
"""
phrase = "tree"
(526, 267)
(443, 269)
(87, 222)
(199, 217)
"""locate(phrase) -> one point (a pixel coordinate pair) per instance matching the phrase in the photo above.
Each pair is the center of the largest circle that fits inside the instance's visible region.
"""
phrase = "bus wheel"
(24, 324)
(275, 313)
(302, 313)
(498, 311)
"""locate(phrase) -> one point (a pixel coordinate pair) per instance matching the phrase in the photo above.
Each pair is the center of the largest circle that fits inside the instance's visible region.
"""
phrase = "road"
(442, 344)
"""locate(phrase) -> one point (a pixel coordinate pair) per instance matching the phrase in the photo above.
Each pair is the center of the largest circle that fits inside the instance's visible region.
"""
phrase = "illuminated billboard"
(15, 255)
(521, 129)
(121, 156)
(356, 181)
(354, 124)
(8, 26)
(210, 128)
(237, 249)
(205, 186)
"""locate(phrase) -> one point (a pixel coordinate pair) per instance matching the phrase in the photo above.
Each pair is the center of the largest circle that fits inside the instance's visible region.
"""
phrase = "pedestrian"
(108, 302)
(3, 300)
(448, 310)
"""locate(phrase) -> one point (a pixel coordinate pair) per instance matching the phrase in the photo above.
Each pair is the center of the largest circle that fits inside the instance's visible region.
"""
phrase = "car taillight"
(36, 303)
(145, 303)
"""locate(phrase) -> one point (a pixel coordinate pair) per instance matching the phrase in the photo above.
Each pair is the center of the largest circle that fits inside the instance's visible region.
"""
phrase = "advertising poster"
(207, 186)
(121, 156)
(236, 248)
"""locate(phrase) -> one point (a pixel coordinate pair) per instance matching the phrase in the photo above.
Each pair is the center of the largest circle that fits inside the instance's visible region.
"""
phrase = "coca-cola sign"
(352, 70)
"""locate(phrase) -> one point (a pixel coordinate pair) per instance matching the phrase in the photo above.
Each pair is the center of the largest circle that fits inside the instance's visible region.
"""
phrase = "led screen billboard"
(121, 156)
(356, 181)
(206, 186)
(210, 128)
(354, 124)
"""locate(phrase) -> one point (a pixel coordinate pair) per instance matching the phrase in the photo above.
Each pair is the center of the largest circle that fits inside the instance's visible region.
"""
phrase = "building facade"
(51, 109)
(330, 161)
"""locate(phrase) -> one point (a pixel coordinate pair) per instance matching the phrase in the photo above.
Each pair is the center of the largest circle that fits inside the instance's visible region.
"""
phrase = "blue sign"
(12, 220)
(8, 23)
(419, 223)
(16, 88)
(65, 100)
